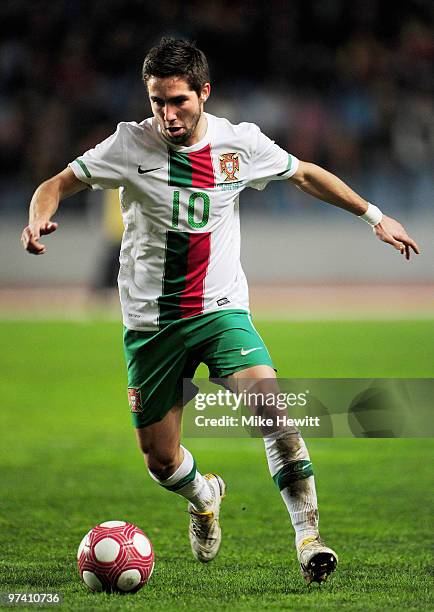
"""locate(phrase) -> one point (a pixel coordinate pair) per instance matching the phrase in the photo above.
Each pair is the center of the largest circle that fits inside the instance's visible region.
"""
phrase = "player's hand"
(32, 234)
(392, 232)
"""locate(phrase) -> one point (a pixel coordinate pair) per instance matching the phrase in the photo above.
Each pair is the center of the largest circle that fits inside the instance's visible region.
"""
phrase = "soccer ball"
(115, 556)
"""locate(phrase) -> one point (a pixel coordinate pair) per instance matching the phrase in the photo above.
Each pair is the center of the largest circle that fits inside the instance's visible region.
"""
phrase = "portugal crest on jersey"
(229, 165)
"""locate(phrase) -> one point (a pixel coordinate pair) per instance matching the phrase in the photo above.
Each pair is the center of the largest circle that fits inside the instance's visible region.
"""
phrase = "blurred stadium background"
(345, 85)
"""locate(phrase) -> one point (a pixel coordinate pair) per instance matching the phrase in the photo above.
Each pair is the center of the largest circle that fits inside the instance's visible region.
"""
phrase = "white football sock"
(291, 469)
(189, 483)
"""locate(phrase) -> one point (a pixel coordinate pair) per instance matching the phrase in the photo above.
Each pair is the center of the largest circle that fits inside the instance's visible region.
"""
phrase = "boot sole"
(319, 567)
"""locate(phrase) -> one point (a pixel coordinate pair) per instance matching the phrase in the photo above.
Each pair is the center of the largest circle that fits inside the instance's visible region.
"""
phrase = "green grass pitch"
(68, 461)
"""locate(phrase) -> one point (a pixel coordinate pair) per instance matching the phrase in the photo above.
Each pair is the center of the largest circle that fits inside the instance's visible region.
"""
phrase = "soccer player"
(183, 292)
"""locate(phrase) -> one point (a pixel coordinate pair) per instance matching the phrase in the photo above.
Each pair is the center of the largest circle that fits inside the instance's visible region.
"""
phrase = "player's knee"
(160, 460)
(143, 442)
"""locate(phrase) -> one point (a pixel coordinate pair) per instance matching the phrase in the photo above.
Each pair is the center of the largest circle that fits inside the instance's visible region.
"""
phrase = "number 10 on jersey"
(192, 201)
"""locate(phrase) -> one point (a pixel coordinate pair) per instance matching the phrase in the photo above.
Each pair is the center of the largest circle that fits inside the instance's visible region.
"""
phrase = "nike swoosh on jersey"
(244, 352)
(141, 171)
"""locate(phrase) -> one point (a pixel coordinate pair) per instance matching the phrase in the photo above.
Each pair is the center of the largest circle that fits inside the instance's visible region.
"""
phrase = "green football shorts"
(157, 362)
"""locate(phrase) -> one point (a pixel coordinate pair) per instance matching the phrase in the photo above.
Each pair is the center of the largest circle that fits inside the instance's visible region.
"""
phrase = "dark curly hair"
(176, 57)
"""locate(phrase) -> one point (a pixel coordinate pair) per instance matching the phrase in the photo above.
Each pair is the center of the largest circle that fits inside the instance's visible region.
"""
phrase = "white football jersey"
(180, 253)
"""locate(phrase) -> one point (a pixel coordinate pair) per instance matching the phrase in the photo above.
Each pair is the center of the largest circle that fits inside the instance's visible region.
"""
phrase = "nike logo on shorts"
(141, 171)
(244, 352)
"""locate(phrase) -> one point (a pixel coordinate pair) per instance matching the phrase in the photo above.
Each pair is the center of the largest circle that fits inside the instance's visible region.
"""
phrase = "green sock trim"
(296, 470)
(184, 481)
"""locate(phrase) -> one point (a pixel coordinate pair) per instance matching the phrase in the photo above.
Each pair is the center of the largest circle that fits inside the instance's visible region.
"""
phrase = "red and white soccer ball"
(115, 556)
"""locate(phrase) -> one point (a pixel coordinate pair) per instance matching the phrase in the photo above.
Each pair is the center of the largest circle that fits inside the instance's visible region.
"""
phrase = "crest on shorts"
(229, 165)
(135, 400)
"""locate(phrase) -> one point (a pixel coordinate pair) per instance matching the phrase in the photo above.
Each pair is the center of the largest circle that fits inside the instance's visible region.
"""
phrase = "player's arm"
(324, 185)
(44, 204)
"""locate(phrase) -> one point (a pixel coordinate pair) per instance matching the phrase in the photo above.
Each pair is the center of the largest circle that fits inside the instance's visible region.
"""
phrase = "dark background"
(344, 84)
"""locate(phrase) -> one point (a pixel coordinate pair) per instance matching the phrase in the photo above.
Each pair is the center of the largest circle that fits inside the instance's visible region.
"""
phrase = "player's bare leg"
(160, 444)
(173, 467)
(291, 469)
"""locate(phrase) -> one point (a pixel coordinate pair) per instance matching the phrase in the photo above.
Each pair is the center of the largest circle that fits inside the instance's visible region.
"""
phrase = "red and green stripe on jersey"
(185, 269)
(191, 169)
(187, 253)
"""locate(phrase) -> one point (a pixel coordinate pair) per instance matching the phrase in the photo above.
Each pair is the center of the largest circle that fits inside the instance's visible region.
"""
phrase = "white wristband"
(373, 215)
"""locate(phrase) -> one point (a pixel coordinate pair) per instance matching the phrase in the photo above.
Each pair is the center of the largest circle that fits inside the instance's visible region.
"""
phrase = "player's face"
(178, 109)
